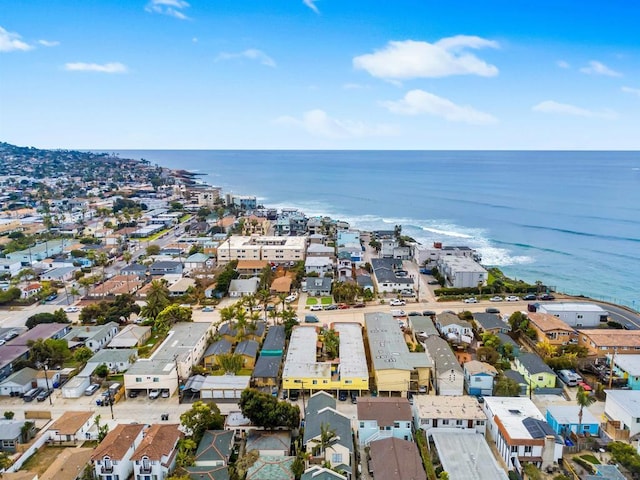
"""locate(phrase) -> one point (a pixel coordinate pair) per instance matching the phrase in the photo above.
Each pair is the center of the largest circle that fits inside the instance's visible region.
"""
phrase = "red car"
(585, 386)
(343, 306)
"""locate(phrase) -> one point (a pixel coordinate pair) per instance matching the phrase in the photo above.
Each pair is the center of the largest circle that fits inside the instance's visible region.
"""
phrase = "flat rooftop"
(448, 407)
(353, 361)
(571, 307)
(466, 456)
(512, 411)
(301, 356)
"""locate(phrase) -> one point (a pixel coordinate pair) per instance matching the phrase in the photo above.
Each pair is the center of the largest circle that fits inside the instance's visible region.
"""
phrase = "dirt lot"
(42, 459)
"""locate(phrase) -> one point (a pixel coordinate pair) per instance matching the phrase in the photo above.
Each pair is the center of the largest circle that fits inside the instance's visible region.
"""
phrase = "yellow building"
(303, 371)
(395, 368)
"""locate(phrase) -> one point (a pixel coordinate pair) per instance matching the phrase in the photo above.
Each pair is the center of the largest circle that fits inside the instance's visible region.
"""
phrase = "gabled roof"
(247, 348)
(268, 440)
(208, 473)
(331, 418)
(117, 442)
(21, 377)
(10, 429)
(271, 468)
(533, 363)
(515, 376)
(317, 472)
(393, 458)
(546, 322)
(274, 341)
(244, 285)
(267, 366)
(319, 401)
(384, 410)
(445, 319)
(490, 321)
(442, 355)
(158, 441)
(216, 445)
(219, 347)
(70, 422)
(475, 367)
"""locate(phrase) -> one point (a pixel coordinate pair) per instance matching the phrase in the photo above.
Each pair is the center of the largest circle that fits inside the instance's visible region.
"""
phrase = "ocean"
(569, 219)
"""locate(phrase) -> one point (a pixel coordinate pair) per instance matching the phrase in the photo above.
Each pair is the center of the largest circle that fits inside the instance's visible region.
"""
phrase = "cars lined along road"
(330, 307)
(470, 300)
(495, 299)
(396, 302)
(316, 308)
(512, 298)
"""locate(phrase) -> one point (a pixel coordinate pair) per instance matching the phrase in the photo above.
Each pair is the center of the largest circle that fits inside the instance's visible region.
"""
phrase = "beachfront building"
(270, 249)
(622, 408)
(304, 370)
(395, 368)
(462, 272)
(490, 322)
(603, 341)
(437, 412)
(551, 329)
(576, 314)
(521, 433)
(425, 254)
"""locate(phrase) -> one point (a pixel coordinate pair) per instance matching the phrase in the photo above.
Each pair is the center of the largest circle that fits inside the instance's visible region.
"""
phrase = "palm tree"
(583, 399)
(230, 362)
(241, 324)
(157, 299)
(263, 297)
(326, 440)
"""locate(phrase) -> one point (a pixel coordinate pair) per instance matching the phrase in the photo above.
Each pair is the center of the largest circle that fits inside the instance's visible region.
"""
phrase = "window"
(458, 423)
(514, 449)
(477, 379)
(156, 379)
(528, 449)
(445, 422)
(315, 382)
(336, 458)
(138, 379)
(396, 424)
(540, 378)
(361, 424)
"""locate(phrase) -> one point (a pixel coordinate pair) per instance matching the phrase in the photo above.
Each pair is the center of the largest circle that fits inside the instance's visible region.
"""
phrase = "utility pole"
(46, 381)
(611, 367)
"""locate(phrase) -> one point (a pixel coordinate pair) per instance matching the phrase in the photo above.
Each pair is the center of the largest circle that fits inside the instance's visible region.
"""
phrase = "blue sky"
(320, 74)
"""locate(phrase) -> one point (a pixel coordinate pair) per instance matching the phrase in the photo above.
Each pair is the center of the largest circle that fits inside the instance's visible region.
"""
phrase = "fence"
(35, 446)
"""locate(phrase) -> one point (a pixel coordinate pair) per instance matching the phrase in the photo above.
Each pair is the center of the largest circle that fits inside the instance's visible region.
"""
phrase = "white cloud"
(114, 67)
(49, 43)
(251, 54)
(11, 42)
(633, 91)
(563, 64)
(415, 59)
(312, 5)
(172, 8)
(418, 102)
(318, 123)
(550, 106)
(597, 68)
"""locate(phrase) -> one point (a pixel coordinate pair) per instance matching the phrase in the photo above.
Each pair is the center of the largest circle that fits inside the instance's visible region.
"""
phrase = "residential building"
(181, 287)
(213, 454)
(13, 433)
(623, 407)
(318, 287)
(466, 457)
(448, 377)
(422, 327)
(19, 382)
(319, 265)
(243, 287)
(395, 458)
(514, 347)
(385, 272)
(576, 315)
(520, 433)
(490, 322)
(462, 272)
(303, 369)
(165, 267)
(250, 268)
(551, 329)
(383, 417)
(274, 341)
(266, 373)
(320, 250)
(92, 337)
(156, 455)
(274, 443)
(395, 368)
(271, 249)
(519, 379)
(479, 377)
(72, 427)
(228, 331)
(537, 373)
(431, 254)
(625, 366)
(131, 336)
(10, 267)
(321, 415)
(198, 261)
(221, 347)
(112, 457)
(37, 252)
(118, 360)
(436, 412)
(317, 472)
(223, 386)
(453, 328)
(271, 467)
(248, 350)
(565, 419)
(602, 341)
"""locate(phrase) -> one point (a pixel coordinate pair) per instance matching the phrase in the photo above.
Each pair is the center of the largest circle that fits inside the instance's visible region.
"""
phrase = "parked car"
(471, 300)
(51, 297)
(396, 302)
(491, 310)
(91, 389)
(414, 314)
(165, 393)
(428, 313)
(512, 298)
(530, 296)
(208, 309)
(354, 397)
(294, 395)
(495, 299)
(585, 386)
(343, 306)
(31, 394)
(10, 336)
(398, 313)
(433, 282)
(311, 319)
(43, 395)
(71, 309)
(359, 305)
(153, 394)
(133, 393)
(546, 296)
(331, 307)
(342, 396)
(316, 308)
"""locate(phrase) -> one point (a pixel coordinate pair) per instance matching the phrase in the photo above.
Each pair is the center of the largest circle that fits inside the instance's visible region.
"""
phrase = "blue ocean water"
(570, 219)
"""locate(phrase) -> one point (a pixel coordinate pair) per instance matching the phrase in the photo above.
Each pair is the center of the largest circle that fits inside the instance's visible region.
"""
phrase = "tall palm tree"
(326, 440)
(263, 297)
(583, 399)
(157, 299)
(241, 325)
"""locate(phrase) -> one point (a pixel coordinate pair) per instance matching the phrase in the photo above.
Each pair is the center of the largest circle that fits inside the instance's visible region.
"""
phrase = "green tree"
(488, 354)
(331, 343)
(174, 314)
(584, 399)
(224, 278)
(102, 370)
(5, 462)
(531, 472)
(244, 463)
(103, 430)
(59, 316)
(267, 412)
(506, 387)
(8, 415)
(49, 352)
(230, 363)
(82, 354)
(200, 417)
(152, 250)
(298, 466)
(326, 440)
(157, 299)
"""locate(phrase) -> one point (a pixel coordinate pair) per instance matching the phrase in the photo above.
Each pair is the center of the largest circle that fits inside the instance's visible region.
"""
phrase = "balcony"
(106, 469)
(145, 469)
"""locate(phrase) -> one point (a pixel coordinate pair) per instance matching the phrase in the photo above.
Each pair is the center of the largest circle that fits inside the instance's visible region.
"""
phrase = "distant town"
(155, 327)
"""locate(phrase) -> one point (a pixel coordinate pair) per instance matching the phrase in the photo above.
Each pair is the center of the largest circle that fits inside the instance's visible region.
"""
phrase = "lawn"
(312, 301)
(42, 459)
(323, 300)
(590, 458)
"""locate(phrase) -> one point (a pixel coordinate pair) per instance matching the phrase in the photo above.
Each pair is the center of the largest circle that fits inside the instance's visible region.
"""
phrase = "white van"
(569, 377)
